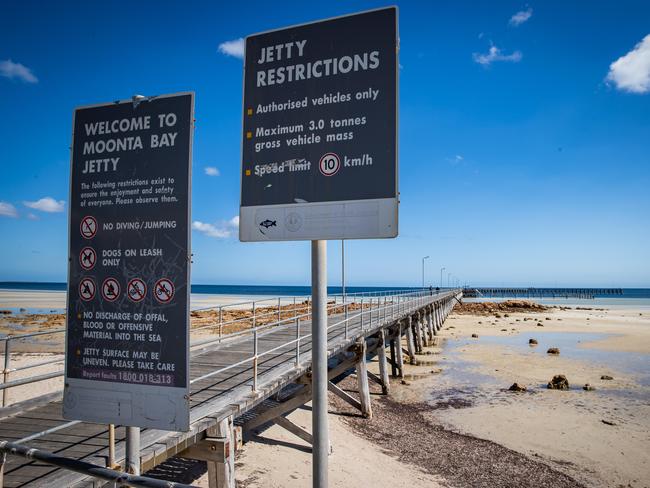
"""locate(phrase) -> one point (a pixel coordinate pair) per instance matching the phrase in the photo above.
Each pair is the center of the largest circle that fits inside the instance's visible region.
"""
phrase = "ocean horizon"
(300, 290)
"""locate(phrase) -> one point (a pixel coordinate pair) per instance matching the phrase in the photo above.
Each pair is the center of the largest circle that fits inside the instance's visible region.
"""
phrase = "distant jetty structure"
(586, 293)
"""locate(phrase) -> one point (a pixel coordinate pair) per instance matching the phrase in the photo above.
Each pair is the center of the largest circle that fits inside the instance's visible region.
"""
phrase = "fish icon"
(269, 223)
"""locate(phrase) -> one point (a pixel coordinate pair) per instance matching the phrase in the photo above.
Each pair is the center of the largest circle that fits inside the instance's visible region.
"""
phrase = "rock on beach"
(559, 382)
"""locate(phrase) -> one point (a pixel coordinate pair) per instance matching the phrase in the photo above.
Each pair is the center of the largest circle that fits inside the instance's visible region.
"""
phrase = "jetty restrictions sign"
(319, 142)
(127, 341)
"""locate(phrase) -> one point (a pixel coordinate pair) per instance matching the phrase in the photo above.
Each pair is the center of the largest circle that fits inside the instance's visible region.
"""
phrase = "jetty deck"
(229, 379)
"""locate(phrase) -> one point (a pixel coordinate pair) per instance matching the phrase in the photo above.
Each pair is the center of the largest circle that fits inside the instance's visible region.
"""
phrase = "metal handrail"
(257, 355)
(118, 478)
(351, 298)
(400, 305)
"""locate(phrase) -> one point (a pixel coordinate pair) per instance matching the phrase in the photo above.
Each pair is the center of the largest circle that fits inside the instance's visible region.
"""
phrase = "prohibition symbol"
(329, 164)
(87, 289)
(110, 289)
(87, 258)
(88, 227)
(136, 290)
(164, 290)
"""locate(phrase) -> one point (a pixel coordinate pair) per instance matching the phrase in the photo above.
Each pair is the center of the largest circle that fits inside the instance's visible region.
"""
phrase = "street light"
(441, 270)
(425, 257)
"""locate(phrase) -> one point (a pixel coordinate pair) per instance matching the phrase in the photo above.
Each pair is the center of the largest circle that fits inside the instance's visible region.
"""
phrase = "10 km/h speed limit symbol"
(329, 164)
(110, 289)
(87, 258)
(164, 290)
(136, 290)
(87, 289)
(88, 227)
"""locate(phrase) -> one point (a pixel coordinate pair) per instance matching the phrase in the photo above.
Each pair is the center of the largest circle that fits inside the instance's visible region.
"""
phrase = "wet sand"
(599, 437)
(454, 422)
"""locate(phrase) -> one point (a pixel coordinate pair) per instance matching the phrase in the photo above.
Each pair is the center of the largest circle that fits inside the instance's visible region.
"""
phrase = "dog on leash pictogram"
(87, 258)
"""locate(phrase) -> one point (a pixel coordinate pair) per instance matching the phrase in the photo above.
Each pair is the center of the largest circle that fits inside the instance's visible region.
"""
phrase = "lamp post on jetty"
(425, 257)
(441, 270)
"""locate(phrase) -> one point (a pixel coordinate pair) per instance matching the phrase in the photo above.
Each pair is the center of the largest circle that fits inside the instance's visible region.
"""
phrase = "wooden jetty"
(238, 383)
(585, 293)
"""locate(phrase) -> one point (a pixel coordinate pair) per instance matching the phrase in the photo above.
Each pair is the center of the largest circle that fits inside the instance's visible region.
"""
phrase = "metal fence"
(248, 317)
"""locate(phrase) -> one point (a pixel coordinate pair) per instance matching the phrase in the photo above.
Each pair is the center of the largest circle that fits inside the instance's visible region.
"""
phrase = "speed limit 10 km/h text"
(329, 164)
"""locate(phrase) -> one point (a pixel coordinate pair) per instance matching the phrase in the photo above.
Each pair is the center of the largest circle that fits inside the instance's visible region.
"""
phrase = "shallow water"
(459, 379)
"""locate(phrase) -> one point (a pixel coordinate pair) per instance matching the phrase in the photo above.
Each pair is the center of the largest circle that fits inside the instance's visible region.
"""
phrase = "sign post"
(127, 341)
(319, 153)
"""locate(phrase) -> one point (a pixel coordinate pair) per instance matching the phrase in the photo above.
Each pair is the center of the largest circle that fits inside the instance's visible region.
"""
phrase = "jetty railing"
(252, 317)
(118, 478)
(352, 317)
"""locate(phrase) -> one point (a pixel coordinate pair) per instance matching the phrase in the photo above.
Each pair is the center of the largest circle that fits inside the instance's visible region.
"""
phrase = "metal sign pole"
(133, 450)
(320, 429)
(343, 269)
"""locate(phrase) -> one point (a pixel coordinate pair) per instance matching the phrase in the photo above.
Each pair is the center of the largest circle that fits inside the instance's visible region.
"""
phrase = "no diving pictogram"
(87, 258)
(87, 289)
(164, 290)
(329, 164)
(136, 290)
(110, 289)
(88, 227)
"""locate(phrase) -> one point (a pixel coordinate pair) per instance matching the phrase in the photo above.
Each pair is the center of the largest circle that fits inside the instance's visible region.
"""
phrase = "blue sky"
(524, 136)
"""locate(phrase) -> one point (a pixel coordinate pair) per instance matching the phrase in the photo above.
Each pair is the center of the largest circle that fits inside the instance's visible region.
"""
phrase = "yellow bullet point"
(249, 111)
(249, 135)
(248, 172)
(78, 315)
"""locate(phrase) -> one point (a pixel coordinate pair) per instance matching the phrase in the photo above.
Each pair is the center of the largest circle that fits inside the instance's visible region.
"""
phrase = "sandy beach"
(454, 422)
(601, 436)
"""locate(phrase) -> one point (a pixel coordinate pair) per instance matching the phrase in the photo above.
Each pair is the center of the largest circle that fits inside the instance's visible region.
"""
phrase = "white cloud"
(212, 171)
(12, 70)
(631, 73)
(224, 230)
(47, 204)
(521, 17)
(457, 159)
(495, 54)
(234, 48)
(32, 216)
(8, 210)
